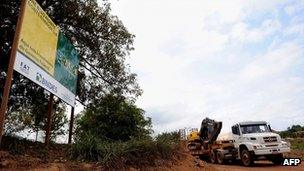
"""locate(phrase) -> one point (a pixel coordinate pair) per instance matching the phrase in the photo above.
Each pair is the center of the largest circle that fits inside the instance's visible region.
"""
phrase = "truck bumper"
(273, 150)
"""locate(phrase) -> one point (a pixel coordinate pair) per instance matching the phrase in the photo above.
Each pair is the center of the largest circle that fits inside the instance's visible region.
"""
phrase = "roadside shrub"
(167, 143)
(86, 147)
(172, 137)
(114, 118)
(297, 144)
(18, 145)
(295, 131)
(135, 152)
(14, 144)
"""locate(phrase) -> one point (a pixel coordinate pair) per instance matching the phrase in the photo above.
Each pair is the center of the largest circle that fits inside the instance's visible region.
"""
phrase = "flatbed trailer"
(217, 152)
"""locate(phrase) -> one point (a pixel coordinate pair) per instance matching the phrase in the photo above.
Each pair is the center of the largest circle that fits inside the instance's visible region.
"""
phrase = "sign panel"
(32, 71)
(38, 37)
(45, 55)
(66, 63)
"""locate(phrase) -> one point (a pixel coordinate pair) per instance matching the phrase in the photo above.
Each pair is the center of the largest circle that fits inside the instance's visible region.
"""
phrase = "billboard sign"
(45, 55)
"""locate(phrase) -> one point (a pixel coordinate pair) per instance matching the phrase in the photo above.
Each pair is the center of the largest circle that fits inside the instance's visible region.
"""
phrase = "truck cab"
(255, 140)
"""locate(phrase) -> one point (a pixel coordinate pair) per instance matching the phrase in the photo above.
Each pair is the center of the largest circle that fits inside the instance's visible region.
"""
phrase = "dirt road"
(258, 166)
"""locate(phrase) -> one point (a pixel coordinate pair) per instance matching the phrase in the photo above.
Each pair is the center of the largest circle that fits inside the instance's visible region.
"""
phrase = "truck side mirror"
(269, 128)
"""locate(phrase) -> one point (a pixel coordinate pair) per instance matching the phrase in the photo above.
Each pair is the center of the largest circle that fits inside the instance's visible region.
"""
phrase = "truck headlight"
(285, 144)
(257, 146)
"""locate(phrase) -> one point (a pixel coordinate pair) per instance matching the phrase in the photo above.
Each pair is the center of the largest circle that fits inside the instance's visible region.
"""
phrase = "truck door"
(236, 133)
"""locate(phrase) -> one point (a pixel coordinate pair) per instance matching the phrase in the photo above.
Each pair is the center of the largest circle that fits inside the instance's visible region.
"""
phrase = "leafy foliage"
(293, 131)
(135, 152)
(169, 136)
(35, 118)
(114, 118)
(114, 132)
(297, 144)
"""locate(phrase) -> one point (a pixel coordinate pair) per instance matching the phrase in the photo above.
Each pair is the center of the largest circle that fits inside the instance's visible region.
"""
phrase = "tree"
(34, 119)
(292, 131)
(59, 120)
(101, 39)
(114, 118)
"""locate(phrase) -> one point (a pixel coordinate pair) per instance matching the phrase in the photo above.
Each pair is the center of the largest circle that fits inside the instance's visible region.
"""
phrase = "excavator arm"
(210, 129)
(200, 141)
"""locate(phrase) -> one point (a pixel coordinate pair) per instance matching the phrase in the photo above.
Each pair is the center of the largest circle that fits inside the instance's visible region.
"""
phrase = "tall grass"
(135, 153)
(297, 144)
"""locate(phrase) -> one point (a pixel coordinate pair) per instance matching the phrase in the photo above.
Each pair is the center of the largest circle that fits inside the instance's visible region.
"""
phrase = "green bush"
(293, 131)
(18, 145)
(114, 118)
(297, 144)
(135, 152)
(167, 143)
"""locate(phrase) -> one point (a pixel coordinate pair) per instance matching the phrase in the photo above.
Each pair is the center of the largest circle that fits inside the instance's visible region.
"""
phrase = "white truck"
(250, 141)
(255, 140)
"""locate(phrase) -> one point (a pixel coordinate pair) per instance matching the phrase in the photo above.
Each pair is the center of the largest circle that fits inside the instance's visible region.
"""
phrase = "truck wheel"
(213, 158)
(220, 157)
(277, 159)
(246, 158)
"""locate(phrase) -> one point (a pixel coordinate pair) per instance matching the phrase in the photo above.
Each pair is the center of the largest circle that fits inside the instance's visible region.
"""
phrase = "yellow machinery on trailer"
(203, 143)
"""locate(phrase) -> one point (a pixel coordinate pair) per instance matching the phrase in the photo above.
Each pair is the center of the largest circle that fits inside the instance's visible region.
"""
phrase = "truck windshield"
(248, 129)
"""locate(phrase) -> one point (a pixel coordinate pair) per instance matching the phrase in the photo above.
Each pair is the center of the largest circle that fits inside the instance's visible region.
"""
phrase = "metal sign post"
(48, 126)
(71, 126)
(10, 70)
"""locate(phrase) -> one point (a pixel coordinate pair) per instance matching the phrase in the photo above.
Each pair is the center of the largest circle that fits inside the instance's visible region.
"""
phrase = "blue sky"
(236, 61)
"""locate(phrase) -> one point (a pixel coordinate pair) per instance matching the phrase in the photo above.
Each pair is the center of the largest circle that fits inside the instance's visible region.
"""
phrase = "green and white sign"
(45, 55)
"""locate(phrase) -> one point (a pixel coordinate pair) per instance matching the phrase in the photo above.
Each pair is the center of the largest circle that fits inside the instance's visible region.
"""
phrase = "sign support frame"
(10, 70)
(48, 127)
(71, 125)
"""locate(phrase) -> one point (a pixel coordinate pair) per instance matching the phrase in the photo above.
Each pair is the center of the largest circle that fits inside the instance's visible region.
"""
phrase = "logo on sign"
(45, 82)
(24, 68)
(291, 162)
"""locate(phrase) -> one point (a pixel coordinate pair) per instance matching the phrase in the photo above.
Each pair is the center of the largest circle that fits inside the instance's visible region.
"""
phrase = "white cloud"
(193, 60)
(294, 7)
(296, 29)
(275, 61)
(242, 33)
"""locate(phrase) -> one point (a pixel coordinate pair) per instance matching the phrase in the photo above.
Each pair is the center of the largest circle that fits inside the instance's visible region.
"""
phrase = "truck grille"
(270, 139)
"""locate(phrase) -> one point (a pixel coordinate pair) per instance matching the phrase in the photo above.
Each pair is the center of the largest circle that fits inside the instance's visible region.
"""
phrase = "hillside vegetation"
(293, 131)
